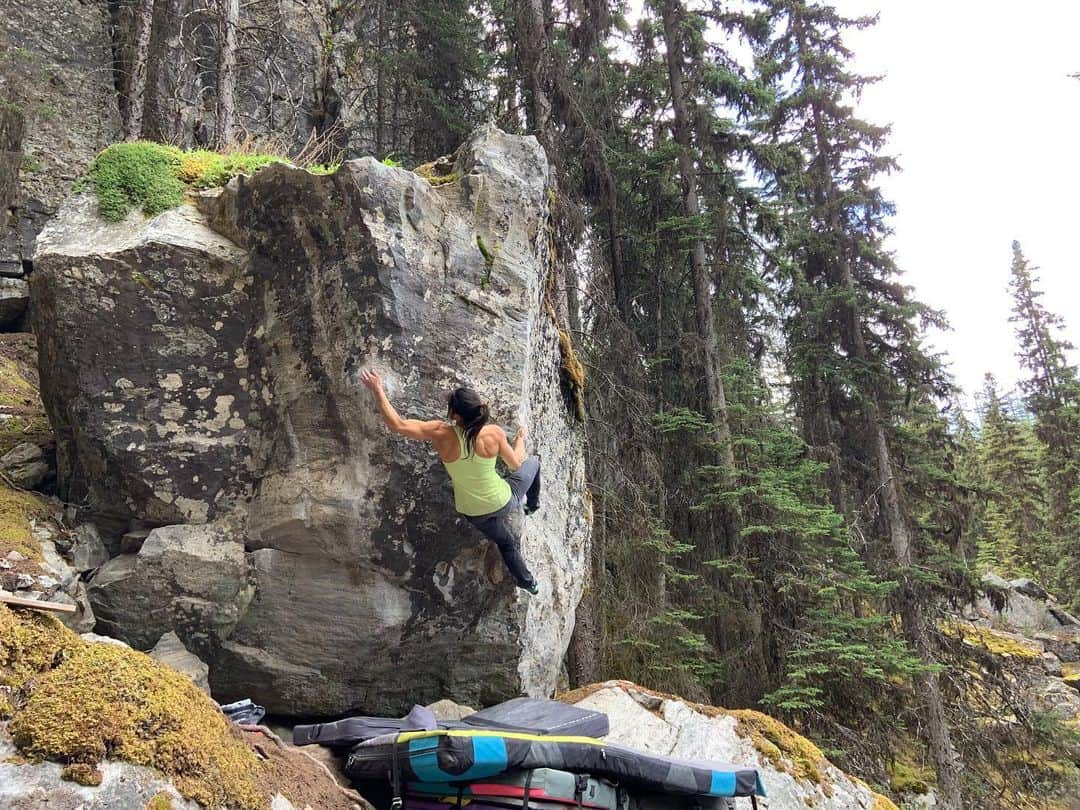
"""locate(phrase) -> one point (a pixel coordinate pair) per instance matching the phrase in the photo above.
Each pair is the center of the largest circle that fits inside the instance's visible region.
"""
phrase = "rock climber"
(469, 444)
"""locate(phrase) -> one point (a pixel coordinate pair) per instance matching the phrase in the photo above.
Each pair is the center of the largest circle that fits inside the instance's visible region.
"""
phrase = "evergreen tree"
(1012, 537)
(864, 389)
(1052, 392)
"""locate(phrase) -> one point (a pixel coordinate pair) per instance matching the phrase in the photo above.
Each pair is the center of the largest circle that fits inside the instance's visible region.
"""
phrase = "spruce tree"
(865, 390)
(1012, 537)
(1052, 393)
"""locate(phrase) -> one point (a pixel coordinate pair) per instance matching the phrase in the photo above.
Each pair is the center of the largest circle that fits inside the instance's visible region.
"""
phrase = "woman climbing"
(468, 445)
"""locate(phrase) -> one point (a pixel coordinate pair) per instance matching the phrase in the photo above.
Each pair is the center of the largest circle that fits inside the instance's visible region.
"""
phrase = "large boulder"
(795, 773)
(1022, 606)
(203, 367)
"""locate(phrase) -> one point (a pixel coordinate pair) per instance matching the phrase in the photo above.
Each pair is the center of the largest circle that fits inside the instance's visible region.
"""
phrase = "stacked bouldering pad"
(524, 754)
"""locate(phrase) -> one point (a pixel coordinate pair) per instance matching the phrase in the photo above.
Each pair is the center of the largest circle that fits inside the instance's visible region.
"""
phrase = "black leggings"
(524, 486)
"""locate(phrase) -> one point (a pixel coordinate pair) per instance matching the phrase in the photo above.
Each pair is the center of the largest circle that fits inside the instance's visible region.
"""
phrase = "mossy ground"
(78, 703)
(16, 511)
(154, 177)
(22, 416)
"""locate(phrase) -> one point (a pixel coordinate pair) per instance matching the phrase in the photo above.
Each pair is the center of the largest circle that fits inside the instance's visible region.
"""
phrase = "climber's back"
(478, 488)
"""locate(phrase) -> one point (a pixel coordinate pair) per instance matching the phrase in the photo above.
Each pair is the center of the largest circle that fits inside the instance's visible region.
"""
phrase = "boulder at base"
(202, 368)
(795, 773)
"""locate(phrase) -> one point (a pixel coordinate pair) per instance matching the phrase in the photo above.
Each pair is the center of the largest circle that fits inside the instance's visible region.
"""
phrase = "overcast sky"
(986, 124)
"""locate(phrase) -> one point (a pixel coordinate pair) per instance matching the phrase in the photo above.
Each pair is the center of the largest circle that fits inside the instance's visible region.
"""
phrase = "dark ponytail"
(473, 412)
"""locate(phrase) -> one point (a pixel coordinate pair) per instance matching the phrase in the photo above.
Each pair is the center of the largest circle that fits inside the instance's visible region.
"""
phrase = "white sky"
(986, 125)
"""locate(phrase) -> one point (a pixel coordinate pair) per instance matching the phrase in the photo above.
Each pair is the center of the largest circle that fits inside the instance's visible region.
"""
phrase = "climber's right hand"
(371, 379)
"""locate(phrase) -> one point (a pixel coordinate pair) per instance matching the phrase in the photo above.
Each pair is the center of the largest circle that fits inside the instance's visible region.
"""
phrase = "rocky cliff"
(201, 371)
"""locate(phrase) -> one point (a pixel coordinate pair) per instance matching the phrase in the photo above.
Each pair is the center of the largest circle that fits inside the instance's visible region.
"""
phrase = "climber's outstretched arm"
(409, 428)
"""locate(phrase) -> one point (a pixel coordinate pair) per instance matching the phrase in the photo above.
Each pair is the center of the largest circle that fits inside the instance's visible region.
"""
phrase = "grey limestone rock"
(193, 579)
(671, 727)
(203, 367)
(25, 465)
(170, 650)
(38, 786)
(88, 552)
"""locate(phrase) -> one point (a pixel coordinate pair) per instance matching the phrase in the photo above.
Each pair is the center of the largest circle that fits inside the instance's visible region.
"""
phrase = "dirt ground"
(301, 779)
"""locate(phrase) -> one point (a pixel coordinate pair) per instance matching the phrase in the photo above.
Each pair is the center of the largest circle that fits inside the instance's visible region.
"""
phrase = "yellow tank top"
(478, 489)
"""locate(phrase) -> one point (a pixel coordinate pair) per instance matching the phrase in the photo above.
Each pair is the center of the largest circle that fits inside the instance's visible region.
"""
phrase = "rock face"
(60, 109)
(202, 371)
(795, 774)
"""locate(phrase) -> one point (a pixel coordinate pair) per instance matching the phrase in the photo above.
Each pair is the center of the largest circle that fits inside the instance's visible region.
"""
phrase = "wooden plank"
(18, 601)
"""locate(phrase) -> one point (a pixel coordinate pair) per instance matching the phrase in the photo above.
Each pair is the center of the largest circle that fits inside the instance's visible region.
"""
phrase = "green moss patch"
(22, 416)
(30, 643)
(16, 511)
(906, 778)
(82, 774)
(154, 177)
(79, 703)
(787, 750)
(15, 390)
(1070, 673)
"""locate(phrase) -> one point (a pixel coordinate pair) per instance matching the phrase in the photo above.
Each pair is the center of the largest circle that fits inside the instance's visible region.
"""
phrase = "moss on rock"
(883, 803)
(787, 750)
(79, 703)
(82, 774)
(907, 778)
(154, 177)
(1070, 673)
(31, 642)
(994, 641)
(435, 173)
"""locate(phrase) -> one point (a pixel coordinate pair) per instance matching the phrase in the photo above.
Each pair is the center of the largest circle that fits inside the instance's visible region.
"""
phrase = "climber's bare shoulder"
(489, 441)
(444, 439)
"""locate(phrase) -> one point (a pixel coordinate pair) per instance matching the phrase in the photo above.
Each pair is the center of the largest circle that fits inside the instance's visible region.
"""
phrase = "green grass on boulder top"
(153, 177)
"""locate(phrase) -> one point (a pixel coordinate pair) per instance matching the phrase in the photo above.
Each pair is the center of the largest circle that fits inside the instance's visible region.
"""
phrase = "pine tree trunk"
(703, 313)
(916, 624)
(228, 22)
(140, 57)
(532, 45)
